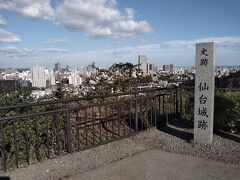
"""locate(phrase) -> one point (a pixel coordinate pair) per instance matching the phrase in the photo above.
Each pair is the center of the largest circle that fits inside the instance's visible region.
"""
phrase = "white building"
(74, 78)
(143, 64)
(38, 77)
(83, 71)
(39, 93)
(52, 79)
(25, 75)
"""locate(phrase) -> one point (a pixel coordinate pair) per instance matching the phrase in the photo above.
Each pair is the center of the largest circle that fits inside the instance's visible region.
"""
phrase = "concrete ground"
(150, 155)
(157, 164)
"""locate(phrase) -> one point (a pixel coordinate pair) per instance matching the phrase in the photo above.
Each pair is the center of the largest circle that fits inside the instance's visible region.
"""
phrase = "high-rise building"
(10, 71)
(52, 77)
(143, 64)
(91, 69)
(57, 67)
(93, 65)
(74, 78)
(152, 69)
(83, 70)
(67, 68)
(38, 77)
(168, 67)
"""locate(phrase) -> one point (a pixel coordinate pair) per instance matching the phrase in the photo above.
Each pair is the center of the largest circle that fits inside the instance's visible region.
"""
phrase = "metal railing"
(30, 133)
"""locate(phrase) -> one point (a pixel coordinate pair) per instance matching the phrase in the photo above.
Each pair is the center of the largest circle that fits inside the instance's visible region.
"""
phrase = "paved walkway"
(157, 164)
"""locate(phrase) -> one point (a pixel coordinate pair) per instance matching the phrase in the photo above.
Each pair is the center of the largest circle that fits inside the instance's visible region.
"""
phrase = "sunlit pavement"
(157, 164)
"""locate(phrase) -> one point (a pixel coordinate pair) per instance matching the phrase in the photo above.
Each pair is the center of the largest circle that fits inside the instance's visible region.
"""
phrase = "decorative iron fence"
(30, 133)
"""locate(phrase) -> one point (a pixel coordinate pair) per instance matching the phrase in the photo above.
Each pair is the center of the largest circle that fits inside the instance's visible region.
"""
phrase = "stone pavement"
(157, 164)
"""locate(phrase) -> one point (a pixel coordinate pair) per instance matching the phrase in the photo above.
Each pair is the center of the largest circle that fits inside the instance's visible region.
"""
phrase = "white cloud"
(40, 9)
(58, 41)
(8, 50)
(179, 53)
(225, 41)
(120, 51)
(3, 22)
(99, 18)
(130, 13)
(178, 48)
(55, 50)
(8, 37)
(11, 51)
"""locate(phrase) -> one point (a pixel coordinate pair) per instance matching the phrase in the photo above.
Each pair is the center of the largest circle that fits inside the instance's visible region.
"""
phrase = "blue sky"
(78, 32)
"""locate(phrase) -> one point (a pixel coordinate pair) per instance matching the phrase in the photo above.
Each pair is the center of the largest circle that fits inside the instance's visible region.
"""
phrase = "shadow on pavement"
(4, 178)
(232, 137)
(182, 130)
(187, 136)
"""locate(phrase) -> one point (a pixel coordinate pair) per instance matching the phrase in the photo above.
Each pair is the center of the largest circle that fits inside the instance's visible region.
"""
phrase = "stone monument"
(204, 92)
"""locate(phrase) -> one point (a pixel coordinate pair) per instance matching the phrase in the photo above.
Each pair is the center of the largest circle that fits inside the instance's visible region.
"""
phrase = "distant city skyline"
(79, 32)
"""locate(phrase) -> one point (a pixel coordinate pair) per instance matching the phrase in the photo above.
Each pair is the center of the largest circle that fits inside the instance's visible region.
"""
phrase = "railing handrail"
(73, 108)
(216, 89)
(32, 114)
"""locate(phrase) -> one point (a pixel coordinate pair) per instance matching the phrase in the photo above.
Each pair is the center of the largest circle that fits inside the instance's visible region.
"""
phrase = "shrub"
(226, 111)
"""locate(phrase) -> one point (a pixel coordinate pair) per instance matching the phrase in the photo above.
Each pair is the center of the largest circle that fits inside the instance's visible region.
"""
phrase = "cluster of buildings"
(43, 78)
(45, 81)
(145, 66)
(168, 67)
